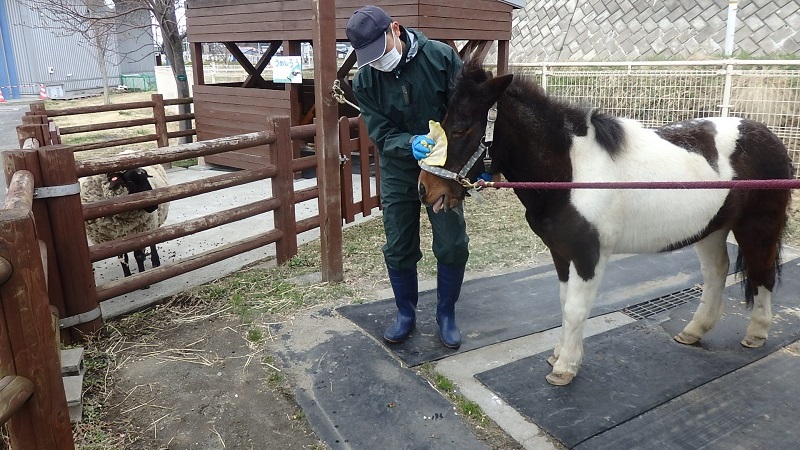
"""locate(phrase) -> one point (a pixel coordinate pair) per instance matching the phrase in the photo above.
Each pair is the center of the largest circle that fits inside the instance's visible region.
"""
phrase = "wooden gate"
(367, 162)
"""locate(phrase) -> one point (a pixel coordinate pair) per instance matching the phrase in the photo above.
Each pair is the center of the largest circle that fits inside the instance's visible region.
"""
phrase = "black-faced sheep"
(104, 229)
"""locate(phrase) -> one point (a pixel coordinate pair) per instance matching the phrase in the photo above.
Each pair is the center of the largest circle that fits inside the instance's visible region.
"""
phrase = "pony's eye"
(458, 132)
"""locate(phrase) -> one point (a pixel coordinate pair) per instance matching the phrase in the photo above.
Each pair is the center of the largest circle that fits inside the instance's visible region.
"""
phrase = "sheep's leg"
(123, 261)
(154, 256)
(140, 257)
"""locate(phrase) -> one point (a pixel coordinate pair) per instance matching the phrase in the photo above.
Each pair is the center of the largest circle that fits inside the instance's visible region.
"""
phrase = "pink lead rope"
(718, 184)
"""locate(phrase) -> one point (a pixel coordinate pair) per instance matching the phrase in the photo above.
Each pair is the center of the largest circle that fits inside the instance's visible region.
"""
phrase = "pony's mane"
(560, 114)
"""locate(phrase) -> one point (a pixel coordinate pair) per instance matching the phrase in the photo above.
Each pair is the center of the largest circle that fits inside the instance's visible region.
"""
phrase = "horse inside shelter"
(539, 138)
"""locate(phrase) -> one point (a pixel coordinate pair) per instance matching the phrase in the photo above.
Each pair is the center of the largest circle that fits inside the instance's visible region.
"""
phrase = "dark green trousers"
(401, 222)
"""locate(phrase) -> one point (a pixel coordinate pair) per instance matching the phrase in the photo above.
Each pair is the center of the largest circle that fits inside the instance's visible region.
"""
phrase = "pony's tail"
(741, 269)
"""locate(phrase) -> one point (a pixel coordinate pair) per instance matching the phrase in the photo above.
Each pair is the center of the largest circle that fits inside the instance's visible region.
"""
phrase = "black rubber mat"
(632, 369)
(517, 304)
(754, 407)
(361, 399)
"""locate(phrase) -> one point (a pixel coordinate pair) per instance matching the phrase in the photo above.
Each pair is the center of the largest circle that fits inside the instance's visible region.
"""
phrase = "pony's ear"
(495, 86)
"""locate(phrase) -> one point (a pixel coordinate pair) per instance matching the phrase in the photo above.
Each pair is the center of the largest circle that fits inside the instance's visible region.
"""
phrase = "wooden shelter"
(225, 109)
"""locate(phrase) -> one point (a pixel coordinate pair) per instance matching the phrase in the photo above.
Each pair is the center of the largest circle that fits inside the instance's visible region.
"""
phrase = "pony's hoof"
(686, 339)
(552, 360)
(753, 341)
(560, 379)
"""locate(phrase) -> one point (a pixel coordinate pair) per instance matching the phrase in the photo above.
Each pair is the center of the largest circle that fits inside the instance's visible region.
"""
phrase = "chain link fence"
(661, 92)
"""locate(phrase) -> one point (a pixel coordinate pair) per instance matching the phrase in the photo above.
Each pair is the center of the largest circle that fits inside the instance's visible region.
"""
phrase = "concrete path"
(11, 114)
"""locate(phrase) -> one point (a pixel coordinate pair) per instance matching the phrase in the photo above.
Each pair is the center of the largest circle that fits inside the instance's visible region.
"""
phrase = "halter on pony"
(486, 142)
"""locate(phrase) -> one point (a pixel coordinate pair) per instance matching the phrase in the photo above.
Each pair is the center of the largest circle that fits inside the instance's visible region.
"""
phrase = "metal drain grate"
(664, 303)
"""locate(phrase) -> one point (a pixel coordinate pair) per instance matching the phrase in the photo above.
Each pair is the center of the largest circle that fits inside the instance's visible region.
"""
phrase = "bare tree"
(164, 13)
(93, 20)
(101, 21)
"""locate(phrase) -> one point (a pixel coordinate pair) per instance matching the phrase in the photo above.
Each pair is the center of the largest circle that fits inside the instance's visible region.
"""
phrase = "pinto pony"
(538, 138)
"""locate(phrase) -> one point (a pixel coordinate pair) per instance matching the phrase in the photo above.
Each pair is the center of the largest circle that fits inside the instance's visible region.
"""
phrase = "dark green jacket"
(397, 105)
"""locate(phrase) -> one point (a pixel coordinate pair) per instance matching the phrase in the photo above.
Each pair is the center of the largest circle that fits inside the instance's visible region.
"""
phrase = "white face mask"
(389, 60)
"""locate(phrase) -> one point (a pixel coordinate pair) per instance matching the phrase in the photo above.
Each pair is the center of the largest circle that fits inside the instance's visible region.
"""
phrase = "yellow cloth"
(438, 154)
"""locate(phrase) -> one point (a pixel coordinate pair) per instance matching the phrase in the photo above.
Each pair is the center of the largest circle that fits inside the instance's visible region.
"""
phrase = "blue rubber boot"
(448, 279)
(406, 294)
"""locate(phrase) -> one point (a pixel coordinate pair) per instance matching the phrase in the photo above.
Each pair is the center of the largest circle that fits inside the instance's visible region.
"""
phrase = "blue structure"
(39, 49)
(9, 81)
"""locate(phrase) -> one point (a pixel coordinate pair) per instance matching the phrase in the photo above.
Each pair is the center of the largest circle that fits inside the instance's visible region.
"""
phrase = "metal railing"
(659, 92)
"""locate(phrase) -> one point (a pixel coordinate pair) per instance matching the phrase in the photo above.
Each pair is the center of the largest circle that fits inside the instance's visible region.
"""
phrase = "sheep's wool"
(104, 229)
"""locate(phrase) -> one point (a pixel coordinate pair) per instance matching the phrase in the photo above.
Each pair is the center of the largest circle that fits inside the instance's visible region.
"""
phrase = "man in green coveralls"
(404, 81)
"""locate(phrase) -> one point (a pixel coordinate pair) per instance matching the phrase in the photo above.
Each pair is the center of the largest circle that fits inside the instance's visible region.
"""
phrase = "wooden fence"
(32, 400)
(77, 297)
(38, 123)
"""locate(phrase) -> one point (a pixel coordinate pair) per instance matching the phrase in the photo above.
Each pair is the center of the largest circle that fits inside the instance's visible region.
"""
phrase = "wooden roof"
(270, 20)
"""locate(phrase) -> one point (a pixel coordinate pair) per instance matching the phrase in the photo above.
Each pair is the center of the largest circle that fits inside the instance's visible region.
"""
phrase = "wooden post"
(283, 190)
(42, 129)
(295, 91)
(327, 140)
(25, 132)
(160, 116)
(502, 58)
(55, 136)
(38, 116)
(27, 342)
(367, 149)
(196, 49)
(71, 245)
(38, 109)
(345, 148)
(28, 159)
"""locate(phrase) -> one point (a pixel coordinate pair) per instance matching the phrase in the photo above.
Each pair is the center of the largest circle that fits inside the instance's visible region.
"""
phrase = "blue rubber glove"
(418, 146)
(485, 176)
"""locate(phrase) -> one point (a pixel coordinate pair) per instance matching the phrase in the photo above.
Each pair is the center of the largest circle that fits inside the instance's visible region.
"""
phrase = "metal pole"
(726, 92)
(731, 28)
(544, 77)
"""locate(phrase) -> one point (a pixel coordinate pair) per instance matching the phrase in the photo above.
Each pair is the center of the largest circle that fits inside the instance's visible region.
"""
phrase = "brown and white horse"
(538, 138)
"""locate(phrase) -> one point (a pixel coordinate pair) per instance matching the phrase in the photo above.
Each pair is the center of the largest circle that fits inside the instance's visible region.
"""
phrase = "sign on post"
(287, 69)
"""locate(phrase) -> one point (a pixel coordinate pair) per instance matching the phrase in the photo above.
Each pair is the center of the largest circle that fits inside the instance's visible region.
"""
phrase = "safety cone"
(2, 99)
(42, 93)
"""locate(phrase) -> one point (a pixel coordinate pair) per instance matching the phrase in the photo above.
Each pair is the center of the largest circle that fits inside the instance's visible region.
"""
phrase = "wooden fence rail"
(41, 116)
(32, 400)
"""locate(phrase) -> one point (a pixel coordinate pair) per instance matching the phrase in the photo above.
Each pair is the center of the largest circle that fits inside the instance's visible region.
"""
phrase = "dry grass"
(106, 117)
(499, 240)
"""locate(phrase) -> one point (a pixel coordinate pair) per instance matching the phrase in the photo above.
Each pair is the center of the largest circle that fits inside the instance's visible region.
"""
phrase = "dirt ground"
(197, 373)
(198, 385)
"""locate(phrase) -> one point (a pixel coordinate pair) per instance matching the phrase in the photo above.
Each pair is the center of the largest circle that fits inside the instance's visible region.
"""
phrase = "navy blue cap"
(366, 31)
